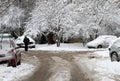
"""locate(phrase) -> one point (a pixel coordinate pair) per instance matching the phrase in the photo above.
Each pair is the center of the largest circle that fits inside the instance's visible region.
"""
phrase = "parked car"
(114, 50)
(101, 41)
(9, 53)
(20, 43)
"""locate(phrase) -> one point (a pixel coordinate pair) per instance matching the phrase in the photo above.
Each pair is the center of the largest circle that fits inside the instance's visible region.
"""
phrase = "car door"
(106, 42)
(116, 46)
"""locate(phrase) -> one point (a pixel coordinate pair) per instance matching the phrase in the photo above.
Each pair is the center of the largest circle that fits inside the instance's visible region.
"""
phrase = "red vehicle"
(9, 53)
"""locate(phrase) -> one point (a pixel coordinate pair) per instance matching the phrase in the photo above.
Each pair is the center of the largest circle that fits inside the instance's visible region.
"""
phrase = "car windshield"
(6, 44)
(98, 39)
(116, 43)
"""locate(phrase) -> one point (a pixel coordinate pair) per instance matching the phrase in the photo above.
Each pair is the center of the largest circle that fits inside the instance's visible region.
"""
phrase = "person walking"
(26, 42)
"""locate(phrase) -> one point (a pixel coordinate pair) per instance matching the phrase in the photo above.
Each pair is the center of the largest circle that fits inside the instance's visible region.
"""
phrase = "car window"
(117, 43)
(6, 44)
(13, 44)
(18, 39)
(109, 39)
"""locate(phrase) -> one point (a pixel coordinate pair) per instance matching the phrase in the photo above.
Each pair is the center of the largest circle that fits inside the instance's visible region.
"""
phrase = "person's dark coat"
(26, 42)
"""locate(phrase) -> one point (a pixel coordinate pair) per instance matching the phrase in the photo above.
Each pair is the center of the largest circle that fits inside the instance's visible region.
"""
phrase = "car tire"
(99, 46)
(114, 57)
(15, 64)
(19, 63)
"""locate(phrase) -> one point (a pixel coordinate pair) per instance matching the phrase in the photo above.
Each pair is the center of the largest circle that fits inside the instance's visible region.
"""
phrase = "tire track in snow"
(60, 70)
(58, 66)
(77, 74)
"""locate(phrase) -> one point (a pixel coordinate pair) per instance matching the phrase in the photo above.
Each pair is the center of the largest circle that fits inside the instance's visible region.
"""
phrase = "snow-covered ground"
(20, 72)
(63, 47)
(15, 74)
(97, 62)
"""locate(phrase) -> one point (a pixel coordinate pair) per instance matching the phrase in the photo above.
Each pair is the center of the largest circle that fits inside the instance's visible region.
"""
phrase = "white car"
(101, 41)
(114, 50)
(20, 43)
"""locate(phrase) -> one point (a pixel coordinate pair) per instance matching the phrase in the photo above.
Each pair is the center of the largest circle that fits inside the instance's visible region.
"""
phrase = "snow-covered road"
(57, 66)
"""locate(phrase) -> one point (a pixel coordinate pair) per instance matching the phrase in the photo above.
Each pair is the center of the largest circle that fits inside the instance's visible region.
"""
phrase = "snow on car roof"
(107, 36)
(101, 37)
(114, 41)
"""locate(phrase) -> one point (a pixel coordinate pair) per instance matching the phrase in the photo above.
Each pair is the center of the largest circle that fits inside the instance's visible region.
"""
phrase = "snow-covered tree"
(83, 18)
(13, 18)
(50, 16)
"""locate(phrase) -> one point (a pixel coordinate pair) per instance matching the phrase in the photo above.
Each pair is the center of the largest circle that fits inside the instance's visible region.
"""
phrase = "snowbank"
(15, 74)
(23, 71)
